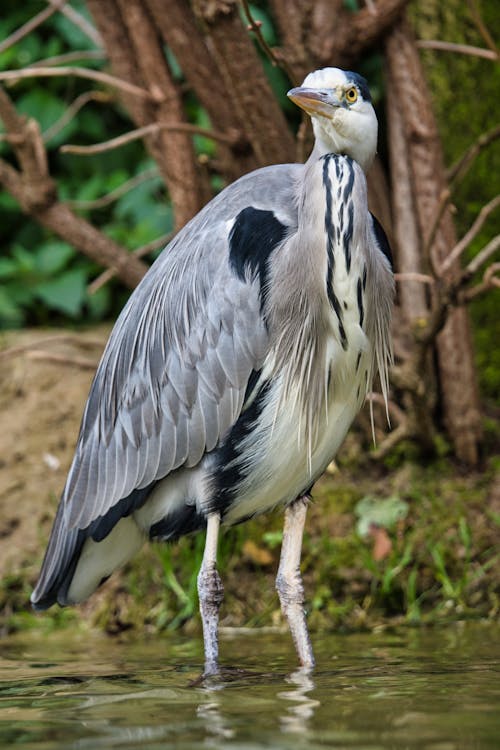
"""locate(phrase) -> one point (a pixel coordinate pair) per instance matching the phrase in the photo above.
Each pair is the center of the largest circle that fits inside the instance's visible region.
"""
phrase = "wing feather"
(174, 374)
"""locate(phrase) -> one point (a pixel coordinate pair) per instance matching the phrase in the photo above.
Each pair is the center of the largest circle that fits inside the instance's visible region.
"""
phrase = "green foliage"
(43, 280)
(383, 513)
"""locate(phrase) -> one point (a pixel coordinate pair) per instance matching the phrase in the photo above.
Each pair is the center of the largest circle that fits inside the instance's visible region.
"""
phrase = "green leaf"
(52, 257)
(66, 293)
(25, 260)
(41, 104)
(385, 513)
(11, 315)
(8, 268)
(99, 303)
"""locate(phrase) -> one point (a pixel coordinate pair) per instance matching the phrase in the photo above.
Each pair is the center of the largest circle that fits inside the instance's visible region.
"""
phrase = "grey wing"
(174, 373)
(170, 384)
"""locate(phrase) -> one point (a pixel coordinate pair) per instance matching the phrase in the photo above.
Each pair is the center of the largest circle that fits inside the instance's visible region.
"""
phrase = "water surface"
(432, 689)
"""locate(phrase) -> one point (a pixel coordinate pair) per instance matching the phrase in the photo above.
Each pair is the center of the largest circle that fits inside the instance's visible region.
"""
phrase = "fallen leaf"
(257, 555)
(382, 545)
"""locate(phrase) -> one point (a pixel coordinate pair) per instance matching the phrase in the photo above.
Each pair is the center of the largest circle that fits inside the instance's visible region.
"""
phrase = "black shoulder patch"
(361, 83)
(253, 237)
(381, 238)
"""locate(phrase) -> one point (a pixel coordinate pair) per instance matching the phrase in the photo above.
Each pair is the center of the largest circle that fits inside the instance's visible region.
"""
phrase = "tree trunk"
(136, 54)
(457, 377)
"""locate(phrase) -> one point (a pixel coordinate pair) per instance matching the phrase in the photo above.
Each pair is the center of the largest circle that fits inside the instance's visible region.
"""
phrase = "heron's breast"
(283, 456)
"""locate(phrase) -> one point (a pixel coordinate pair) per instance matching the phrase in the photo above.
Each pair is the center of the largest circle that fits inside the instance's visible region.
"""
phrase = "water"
(435, 689)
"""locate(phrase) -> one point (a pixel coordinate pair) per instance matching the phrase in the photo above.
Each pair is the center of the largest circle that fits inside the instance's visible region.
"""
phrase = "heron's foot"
(291, 594)
(289, 581)
(210, 593)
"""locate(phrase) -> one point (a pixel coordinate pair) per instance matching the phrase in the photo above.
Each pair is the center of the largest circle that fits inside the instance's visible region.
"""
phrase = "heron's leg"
(210, 593)
(289, 581)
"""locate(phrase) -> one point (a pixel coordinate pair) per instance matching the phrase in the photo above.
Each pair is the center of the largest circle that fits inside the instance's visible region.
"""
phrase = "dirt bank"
(44, 380)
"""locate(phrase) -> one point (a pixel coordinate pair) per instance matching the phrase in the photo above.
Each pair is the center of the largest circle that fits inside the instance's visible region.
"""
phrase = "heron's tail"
(59, 563)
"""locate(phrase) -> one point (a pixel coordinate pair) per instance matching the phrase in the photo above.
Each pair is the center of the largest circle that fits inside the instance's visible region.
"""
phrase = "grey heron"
(236, 368)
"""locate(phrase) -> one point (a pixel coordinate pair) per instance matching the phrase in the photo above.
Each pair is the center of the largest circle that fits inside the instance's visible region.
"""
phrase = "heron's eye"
(351, 94)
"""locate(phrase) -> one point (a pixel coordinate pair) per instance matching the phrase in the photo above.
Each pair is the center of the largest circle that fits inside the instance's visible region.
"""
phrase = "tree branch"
(421, 278)
(480, 25)
(482, 257)
(458, 170)
(65, 71)
(155, 127)
(117, 193)
(490, 279)
(58, 217)
(252, 98)
(136, 53)
(72, 111)
(70, 57)
(341, 37)
(31, 25)
(469, 236)
(110, 273)
(80, 22)
(183, 34)
(36, 193)
(255, 27)
(462, 49)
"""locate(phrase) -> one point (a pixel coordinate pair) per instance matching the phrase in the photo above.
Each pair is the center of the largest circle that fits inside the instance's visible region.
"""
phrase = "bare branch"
(133, 135)
(394, 438)
(93, 75)
(36, 193)
(81, 22)
(117, 193)
(490, 279)
(73, 109)
(482, 257)
(393, 409)
(31, 25)
(459, 169)
(480, 25)
(255, 26)
(462, 49)
(343, 36)
(468, 237)
(38, 200)
(429, 242)
(110, 273)
(70, 57)
(412, 276)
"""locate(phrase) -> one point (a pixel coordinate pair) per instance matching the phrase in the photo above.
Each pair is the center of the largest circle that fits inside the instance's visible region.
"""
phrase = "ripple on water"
(436, 689)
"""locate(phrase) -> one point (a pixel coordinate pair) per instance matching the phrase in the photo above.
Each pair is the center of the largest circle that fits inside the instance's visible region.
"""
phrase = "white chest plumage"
(284, 455)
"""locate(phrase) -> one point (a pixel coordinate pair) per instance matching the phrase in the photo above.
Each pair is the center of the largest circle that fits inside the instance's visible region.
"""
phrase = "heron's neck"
(321, 147)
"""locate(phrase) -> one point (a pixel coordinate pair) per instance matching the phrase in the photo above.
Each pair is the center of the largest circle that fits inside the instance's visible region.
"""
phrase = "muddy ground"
(44, 379)
(441, 560)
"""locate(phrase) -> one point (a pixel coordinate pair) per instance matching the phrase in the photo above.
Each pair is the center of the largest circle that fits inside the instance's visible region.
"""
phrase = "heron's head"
(343, 117)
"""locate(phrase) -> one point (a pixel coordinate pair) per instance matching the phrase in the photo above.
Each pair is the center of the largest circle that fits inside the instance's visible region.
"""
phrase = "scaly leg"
(210, 593)
(289, 581)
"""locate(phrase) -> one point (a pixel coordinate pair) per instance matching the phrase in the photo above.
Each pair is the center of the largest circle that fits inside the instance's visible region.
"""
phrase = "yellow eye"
(351, 94)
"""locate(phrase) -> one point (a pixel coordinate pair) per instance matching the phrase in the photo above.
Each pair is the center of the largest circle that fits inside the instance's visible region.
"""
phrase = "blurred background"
(119, 120)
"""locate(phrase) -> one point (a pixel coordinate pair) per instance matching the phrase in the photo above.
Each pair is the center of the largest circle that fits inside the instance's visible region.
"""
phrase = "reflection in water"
(216, 725)
(409, 690)
(298, 715)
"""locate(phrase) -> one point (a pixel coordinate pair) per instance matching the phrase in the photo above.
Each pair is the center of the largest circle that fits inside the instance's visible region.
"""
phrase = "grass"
(441, 561)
